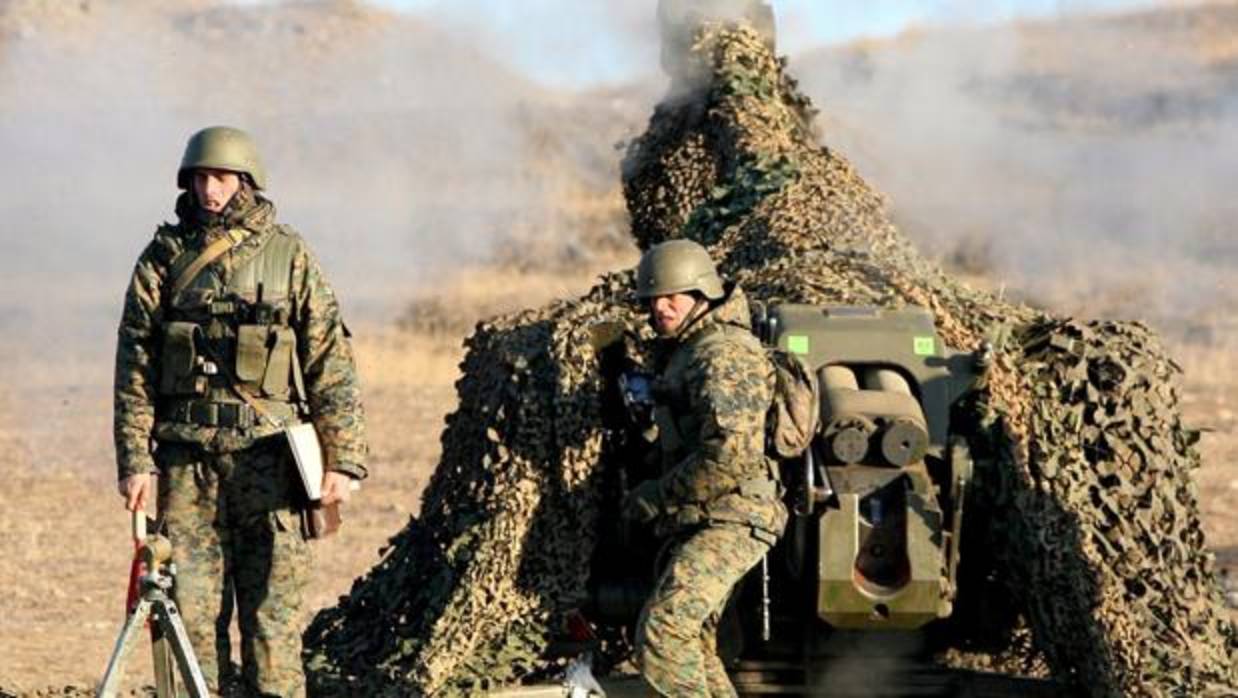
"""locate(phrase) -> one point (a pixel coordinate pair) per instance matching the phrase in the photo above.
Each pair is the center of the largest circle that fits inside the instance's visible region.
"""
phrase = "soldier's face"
(215, 188)
(670, 312)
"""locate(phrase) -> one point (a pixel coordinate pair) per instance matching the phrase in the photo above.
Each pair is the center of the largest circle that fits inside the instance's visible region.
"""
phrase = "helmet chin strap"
(699, 308)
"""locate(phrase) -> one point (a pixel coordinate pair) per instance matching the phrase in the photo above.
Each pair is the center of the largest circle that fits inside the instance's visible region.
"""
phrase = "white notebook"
(307, 451)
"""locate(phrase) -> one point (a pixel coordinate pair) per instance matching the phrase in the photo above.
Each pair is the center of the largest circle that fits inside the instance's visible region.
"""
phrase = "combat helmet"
(222, 148)
(677, 266)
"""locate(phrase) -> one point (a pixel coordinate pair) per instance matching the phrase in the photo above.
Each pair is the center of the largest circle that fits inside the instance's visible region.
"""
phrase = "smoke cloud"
(1057, 155)
(1086, 162)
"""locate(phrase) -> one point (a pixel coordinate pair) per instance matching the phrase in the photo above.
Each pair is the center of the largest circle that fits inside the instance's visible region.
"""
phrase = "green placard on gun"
(797, 344)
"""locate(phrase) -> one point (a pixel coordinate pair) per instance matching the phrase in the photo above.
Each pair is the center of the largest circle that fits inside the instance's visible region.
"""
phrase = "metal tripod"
(155, 585)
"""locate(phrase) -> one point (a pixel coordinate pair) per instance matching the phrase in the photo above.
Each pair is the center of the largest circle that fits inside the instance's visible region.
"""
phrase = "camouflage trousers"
(676, 636)
(236, 538)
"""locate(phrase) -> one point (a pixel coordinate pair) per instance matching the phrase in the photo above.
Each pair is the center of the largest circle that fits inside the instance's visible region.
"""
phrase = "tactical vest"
(753, 500)
(220, 340)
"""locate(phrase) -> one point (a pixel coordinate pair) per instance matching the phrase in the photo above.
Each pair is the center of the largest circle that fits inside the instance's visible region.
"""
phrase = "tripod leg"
(115, 665)
(174, 633)
(165, 664)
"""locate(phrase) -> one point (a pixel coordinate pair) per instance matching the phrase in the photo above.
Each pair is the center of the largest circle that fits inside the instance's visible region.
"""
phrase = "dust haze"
(402, 152)
(1086, 162)
(398, 150)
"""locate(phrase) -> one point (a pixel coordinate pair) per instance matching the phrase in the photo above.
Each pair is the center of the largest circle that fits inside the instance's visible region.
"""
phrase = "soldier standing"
(717, 502)
(229, 333)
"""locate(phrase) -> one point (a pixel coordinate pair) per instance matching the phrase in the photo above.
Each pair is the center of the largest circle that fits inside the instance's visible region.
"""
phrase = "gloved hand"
(644, 502)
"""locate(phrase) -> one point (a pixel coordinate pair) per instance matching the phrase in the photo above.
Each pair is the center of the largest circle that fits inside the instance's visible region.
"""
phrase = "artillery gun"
(871, 551)
(877, 503)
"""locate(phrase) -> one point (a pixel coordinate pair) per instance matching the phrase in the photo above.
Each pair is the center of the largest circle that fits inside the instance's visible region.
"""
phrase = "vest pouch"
(251, 353)
(179, 360)
(275, 381)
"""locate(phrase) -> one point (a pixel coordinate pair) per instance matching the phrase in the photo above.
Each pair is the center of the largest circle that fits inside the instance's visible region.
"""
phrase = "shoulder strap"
(212, 252)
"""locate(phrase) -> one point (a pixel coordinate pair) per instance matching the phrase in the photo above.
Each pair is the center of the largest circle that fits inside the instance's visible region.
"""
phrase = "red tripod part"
(136, 571)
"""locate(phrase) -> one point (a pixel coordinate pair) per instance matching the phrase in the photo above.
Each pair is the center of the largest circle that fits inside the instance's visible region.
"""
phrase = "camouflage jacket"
(325, 387)
(713, 391)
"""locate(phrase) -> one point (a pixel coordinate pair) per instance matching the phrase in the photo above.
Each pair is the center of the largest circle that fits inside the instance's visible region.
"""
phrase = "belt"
(214, 414)
(231, 415)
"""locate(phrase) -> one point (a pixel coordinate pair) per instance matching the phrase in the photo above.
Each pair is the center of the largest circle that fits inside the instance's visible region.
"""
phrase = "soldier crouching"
(230, 333)
(717, 502)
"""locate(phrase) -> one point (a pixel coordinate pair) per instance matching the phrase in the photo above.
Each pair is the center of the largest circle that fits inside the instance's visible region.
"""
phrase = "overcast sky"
(579, 43)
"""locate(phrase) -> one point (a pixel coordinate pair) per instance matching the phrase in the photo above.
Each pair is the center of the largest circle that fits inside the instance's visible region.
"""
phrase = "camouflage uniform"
(228, 489)
(719, 495)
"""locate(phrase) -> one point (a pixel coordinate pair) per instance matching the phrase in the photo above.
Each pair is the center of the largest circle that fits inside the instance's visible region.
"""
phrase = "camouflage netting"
(1084, 508)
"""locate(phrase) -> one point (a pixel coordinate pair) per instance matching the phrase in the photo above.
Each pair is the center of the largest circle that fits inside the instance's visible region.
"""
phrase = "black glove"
(644, 503)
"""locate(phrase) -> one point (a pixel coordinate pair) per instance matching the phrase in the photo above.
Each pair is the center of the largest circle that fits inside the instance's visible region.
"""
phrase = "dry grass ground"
(1210, 402)
(64, 551)
(63, 536)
